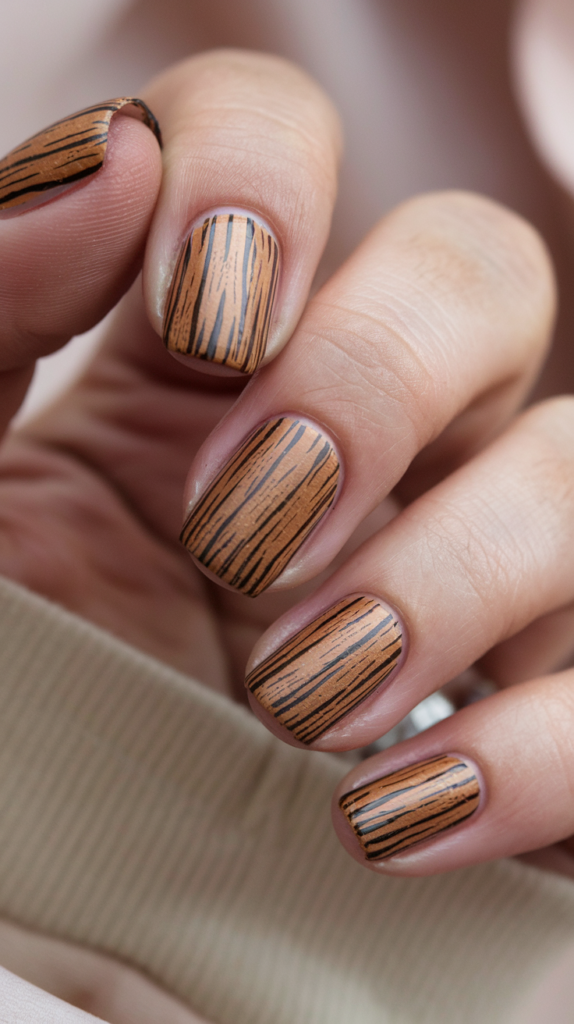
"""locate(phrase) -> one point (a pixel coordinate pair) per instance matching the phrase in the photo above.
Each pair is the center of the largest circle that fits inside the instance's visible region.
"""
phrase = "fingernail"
(264, 504)
(64, 153)
(329, 667)
(393, 813)
(221, 295)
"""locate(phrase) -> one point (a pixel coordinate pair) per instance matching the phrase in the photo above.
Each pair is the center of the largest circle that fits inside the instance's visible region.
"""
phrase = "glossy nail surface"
(329, 667)
(64, 153)
(395, 812)
(264, 504)
(222, 292)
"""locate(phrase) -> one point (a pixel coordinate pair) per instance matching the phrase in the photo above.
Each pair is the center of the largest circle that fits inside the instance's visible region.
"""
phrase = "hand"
(404, 375)
(414, 359)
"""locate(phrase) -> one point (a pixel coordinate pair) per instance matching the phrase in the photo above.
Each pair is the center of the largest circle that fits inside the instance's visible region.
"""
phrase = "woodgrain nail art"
(221, 296)
(393, 813)
(264, 504)
(329, 667)
(64, 153)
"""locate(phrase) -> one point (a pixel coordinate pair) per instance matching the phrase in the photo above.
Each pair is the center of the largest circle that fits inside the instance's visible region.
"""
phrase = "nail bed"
(221, 297)
(395, 812)
(329, 667)
(264, 503)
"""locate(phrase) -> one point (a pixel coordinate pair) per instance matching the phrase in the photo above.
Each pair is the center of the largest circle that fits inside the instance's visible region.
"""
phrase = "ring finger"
(250, 165)
(467, 565)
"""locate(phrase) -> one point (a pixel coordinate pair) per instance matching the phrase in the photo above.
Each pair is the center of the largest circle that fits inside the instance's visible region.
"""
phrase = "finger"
(64, 154)
(251, 152)
(470, 563)
(449, 297)
(545, 645)
(65, 263)
(492, 781)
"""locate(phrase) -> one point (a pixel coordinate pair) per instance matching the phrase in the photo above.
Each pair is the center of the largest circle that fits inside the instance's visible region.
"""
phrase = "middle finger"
(449, 299)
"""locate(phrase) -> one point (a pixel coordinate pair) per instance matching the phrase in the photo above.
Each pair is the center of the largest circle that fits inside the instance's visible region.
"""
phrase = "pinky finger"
(494, 780)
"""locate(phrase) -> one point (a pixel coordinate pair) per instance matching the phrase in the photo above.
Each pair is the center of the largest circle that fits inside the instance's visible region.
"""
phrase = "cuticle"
(331, 604)
(364, 776)
(470, 761)
(216, 211)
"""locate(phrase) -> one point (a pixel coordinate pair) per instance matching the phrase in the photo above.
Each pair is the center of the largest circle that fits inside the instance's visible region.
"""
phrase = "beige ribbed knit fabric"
(144, 816)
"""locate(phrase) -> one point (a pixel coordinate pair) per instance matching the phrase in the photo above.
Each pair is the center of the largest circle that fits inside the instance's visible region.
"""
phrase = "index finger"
(250, 162)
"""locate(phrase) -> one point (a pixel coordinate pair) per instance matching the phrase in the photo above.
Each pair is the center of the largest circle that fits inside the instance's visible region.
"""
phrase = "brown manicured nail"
(391, 814)
(264, 504)
(221, 296)
(64, 153)
(329, 667)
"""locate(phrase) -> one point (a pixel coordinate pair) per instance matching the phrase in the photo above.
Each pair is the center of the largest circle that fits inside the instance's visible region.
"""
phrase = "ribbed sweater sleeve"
(144, 816)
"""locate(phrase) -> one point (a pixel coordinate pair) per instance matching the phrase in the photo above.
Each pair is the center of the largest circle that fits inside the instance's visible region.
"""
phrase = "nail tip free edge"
(64, 153)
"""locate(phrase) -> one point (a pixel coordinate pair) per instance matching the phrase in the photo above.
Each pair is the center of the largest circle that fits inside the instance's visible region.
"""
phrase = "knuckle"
(508, 536)
(549, 430)
(553, 419)
(358, 364)
(466, 241)
(478, 555)
(553, 711)
(430, 276)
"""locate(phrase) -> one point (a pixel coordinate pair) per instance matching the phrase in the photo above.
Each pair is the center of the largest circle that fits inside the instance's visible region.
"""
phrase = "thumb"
(65, 263)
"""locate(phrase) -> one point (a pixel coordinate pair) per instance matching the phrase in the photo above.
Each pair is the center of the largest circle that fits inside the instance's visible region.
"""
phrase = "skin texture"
(114, 513)
(133, 386)
(428, 337)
